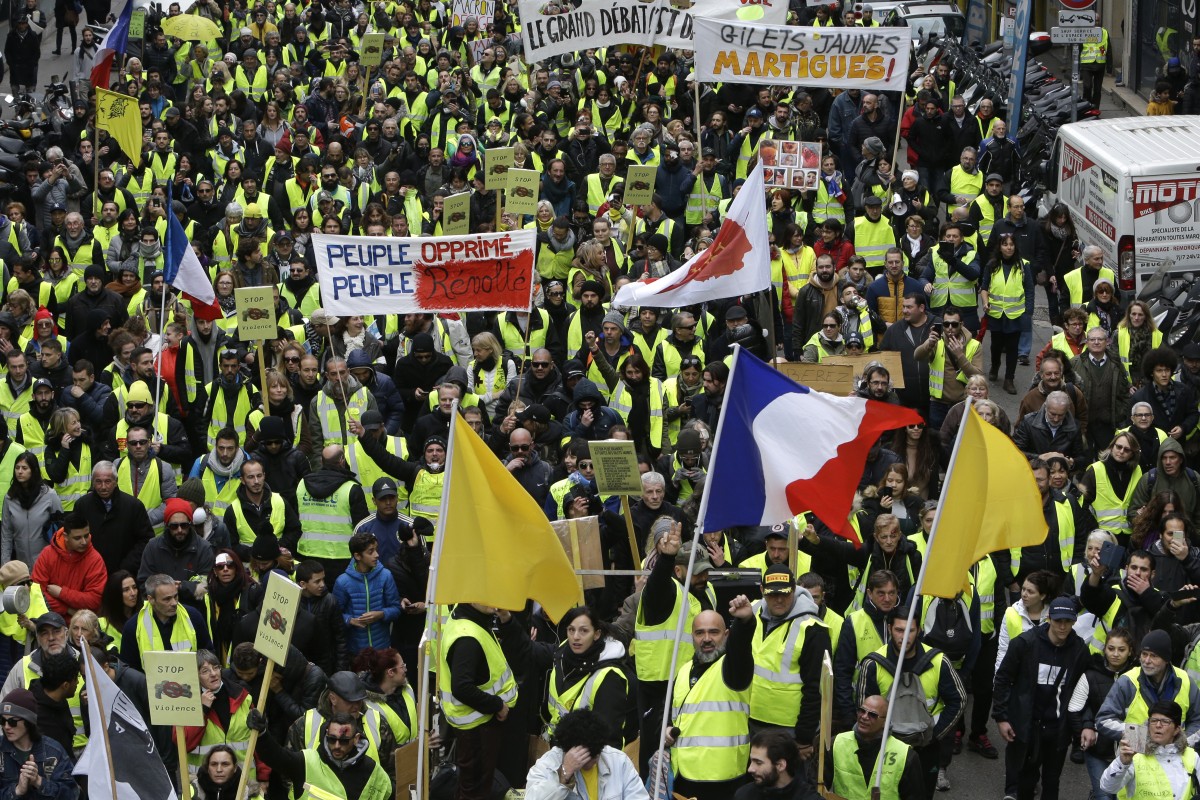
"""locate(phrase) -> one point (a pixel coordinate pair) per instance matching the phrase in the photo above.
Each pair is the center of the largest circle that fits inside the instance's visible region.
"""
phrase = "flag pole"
(158, 356)
(687, 579)
(185, 784)
(916, 599)
(99, 698)
(430, 616)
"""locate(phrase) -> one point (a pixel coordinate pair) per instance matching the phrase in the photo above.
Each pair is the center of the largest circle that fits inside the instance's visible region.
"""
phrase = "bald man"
(331, 503)
(855, 753)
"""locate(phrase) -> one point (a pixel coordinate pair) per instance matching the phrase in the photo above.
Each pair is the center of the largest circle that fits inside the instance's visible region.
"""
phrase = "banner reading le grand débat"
(391, 275)
(738, 52)
(554, 27)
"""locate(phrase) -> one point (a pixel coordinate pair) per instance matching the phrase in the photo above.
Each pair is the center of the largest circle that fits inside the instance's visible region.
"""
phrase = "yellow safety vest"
(848, 780)
(150, 492)
(500, 681)
(325, 522)
(236, 736)
(513, 338)
(872, 240)
(333, 426)
(1096, 53)
(278, 518)
(402, 732)
(937, 367)
(777, 685)
(596, 195)
(653, 643)
(1006, 298)
(579, 695)
(958, 291)
(33, 437)
(622, 403)
(320, 783)
(988, 216)
(1109, 509)
(964, 183)
(220, 417)
(367, 471)
(219, 499)
(827, 207)
(929, 681)
(79, 479)
(703, 198)
(985, 587)
(425, 500)
(183, 633)
(1138, 712)
(371, 720)
(714, 726)
(14, 406)
(1123, 344)
(1074, 283)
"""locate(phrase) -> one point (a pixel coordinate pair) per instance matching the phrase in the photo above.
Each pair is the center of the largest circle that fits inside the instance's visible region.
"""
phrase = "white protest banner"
(481, 10)
(553, 27)
(434, 274)
(846, 58)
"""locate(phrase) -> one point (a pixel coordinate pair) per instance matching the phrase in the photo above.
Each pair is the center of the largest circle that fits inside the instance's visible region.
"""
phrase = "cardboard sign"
(498, 161)
(256, 313)
(173, 687)
(524, 186)
(137, 24)
(888, 358)
(639, 185)
(824, 377)
(277, 619)
(581, 540)
(616, 468)
(372, 50)
(456, 213)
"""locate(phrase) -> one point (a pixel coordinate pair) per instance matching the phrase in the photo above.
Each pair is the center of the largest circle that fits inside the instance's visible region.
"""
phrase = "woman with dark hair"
(638, 398)
(919, 447)
(826, 342)
(119, 601)
(896, 496)
(21, 742)
(385, 676)
(227, 600)
(1119, 656)
(1174, 403)
(574, 763)
(1147, 525)
(219, 775)
(1060, 248)
(1007, 300)
(1029, 611)
(30, 509)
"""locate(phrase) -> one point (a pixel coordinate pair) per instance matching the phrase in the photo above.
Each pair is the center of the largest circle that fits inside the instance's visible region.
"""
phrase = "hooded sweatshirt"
(1157, 480)
(810, 657)
(324, 482)
(80, 575)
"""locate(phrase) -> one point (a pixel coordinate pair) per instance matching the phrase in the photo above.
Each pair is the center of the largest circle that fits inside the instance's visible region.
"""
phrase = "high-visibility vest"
(1060, 342)
(622, 403)
(320, 782)
(965, 183)
(703, 198)
(425, 500)
(333, 429)
(141, 186)
(150, 492)
(1006, 298)
(219, 499)
(1104, 623)
(372, 723)
(255, 87)
(13, 406)
(236, 735)
(403, 732)
(162, 165)
(1074, 284)
(653, 643)
(648, 346)
(795, 268)
(299, 196)
(815, 341)
(714, 726)
(957, 291)
(325, 522)
(1139, 712)
(929, 681)
(32, 436)
(848, 780)
(513, 338)
(872, 240)
(367, 471)
(183, 633)
(866, 635)
(79, 479)
(988, 216)
(985, 587)
(1123, 343)
(1097, 53)
(937, 367)
(777, 685)
(580, 695)
(500, 681)
(747, 151)
(1110, 509)
(1151, 781)
(827, 207)
(220, 417)
(278, 518)
(596, 195)
(307, 303)
(6, 476)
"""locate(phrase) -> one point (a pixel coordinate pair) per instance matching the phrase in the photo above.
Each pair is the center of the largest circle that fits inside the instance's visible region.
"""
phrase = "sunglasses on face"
(178, 526)
(330, 739)
(10, 722)
(584, 465)
(865, 712)
(520, 448)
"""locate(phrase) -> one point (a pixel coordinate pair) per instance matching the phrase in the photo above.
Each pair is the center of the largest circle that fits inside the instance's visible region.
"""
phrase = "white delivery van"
(1133, 187)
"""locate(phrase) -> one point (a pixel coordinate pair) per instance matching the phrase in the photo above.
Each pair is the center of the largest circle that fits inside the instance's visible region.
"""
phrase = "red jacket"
(839, 250)
(81, 575)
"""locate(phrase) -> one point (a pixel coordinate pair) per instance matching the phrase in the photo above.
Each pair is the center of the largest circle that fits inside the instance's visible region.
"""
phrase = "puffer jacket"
(357, 593)
(81, 576)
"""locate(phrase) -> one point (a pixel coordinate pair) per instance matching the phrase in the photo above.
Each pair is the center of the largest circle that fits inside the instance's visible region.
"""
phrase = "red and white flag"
(738, 261)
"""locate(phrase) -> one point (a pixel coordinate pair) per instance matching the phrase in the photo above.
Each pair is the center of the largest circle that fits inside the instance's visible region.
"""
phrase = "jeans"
(1026, 343)
(1095, 768)
(937, 414)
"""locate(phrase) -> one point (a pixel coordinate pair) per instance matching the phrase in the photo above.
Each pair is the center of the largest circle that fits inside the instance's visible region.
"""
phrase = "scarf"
(557, 193)
(225, 596)
(150, 252)
(226, 472)
(126, 291)
(227, 304)
(26, 494)
(73, 242)
(1060, 232)
(353, 343)
(557, 247)
(1139, 345)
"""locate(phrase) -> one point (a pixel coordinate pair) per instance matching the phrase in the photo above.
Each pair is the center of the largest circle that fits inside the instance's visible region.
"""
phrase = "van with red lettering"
(1133, 187)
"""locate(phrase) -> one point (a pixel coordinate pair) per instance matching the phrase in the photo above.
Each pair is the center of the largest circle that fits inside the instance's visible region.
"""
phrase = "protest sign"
(498, 161)
(173, 687)
(457, 210)
(554, 27)
(616, 468)
(441, 274)
(581, 539)
(845, 58)
(831, 378)
(372, 50)
(482, 10)
(277, 619)
(523, 188)
(788, 164)
(255, 313)
(639, 185)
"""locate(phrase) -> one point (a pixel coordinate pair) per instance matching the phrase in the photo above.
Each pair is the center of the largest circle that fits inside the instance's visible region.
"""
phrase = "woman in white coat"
(580, 766)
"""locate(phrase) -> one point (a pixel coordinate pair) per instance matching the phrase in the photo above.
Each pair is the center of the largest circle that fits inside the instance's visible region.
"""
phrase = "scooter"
(56, 105)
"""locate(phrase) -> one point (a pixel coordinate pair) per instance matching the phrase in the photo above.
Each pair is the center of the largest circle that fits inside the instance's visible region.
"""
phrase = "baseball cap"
(1063, 608)
(51, 618)
(754, 112)
(994, 176)
(384, 487)
(42, 383)
(536, 412)
(778, 580)
(372, 420)
(703, 564)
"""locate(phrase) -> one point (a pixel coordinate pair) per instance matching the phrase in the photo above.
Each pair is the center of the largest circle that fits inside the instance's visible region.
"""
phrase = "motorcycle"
(56, 106)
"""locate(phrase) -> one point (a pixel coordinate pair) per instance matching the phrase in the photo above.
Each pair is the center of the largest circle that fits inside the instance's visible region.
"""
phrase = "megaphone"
(898, 205)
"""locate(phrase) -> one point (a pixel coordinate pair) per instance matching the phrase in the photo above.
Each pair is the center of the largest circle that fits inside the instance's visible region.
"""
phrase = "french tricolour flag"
(115, 41)
(185, 272)
(782, 449)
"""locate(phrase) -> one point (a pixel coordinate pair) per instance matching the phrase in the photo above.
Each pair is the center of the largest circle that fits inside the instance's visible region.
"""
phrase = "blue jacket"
(383, 389)
(54, 764)
(357, 594)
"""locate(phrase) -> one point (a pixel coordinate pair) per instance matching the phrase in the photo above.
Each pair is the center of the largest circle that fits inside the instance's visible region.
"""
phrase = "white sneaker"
(943, 781)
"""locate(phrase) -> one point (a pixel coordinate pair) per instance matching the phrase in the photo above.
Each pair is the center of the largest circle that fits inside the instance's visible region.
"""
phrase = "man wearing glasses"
(953, 356)
(856, 752)
(524, 463)
(179, 553)
(142, 474)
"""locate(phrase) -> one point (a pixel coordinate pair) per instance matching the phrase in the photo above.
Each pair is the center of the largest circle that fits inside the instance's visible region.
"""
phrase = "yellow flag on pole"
(990, 502)
(118, 114)
(497, 546)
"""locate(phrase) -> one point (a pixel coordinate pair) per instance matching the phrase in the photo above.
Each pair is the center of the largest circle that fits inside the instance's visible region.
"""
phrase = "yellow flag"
(498, 548)
(991, 503)
(118, 114)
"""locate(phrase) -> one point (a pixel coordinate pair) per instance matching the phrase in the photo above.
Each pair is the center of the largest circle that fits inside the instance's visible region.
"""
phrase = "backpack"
(911, 721)
(948, 627)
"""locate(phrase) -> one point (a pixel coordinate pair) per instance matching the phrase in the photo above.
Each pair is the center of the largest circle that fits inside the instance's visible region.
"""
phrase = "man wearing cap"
(664, 599)
(385, 522)
(789, 647)
(871, 234)
(745, 142)
(416, 373)
(163, 623)
(52, 638)
(345, 694)
(1033, 685)
(31, 765)
(775, 553)
(988, 207)
(255, 506)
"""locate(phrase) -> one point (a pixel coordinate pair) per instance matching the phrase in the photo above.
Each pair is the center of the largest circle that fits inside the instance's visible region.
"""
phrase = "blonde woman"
(68, 456)
(491, 370)
(590, 264)
(280, 402)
